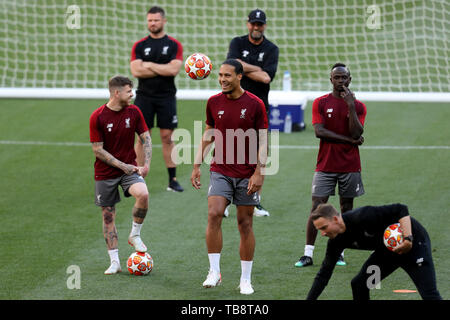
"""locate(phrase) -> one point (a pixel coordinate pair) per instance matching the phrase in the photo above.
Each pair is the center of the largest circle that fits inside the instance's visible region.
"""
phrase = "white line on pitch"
(86, 144)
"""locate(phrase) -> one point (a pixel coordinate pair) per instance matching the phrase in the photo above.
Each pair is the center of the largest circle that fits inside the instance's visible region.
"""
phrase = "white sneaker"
(260, 211)
(213, 279)
(136, 242)
(113, 268)
(246, 287)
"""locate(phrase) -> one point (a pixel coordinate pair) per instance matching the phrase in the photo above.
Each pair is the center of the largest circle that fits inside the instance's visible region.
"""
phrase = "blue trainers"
(341, 261)
(174, 186)
(304, 262)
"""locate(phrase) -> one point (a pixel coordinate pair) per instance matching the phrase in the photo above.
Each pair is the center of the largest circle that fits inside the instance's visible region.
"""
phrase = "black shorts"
(164, 108)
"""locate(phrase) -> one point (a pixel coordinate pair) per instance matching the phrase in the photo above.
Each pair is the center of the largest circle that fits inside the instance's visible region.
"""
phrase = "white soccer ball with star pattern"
(140, 263)
(198, 66)
(393, 236)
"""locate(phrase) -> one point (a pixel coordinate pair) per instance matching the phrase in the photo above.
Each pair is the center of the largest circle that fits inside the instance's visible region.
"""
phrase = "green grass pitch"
(49, 221)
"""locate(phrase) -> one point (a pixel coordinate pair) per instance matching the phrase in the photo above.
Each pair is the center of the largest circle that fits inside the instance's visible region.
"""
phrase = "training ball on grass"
(198, 66)
(140, 263)
(393, 236)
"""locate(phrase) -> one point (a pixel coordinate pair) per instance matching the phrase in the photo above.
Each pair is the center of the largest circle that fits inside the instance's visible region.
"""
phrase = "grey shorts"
(107, 191)
(233, 189)
(349, 183)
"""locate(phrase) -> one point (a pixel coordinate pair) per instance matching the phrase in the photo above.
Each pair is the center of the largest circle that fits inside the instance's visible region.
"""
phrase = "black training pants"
(418, 264)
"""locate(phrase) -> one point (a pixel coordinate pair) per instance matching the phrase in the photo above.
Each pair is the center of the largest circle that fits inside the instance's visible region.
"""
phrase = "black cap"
(257, 16)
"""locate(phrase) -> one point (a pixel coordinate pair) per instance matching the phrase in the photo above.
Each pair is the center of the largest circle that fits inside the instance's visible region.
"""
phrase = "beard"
(125, 102)
(256, 35)
(155, 30)
(341, 88)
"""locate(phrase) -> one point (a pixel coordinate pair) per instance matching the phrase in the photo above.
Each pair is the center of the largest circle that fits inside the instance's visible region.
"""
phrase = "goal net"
(389, 46)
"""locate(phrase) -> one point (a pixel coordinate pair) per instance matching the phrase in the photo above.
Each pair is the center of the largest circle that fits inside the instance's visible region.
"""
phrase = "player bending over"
(363, 229)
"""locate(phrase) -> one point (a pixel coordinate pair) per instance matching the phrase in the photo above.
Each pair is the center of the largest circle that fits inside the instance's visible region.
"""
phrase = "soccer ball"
(198, 66)
(140, 263)
(393, 236)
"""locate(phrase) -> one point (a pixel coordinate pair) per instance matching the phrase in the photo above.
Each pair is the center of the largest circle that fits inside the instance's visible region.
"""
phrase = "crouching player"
(363, 229)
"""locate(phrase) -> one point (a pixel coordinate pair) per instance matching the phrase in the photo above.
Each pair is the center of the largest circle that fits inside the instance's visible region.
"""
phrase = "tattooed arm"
(146, 141)
(109, 159)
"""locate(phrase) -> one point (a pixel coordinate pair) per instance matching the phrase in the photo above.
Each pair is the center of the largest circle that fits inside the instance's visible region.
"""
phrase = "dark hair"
(238, 68)
(118, 82)
(156, 9)
(324, 210)
(340, 65)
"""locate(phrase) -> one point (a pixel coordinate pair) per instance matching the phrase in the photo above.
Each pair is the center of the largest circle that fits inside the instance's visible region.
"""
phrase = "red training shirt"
(332, 112)
(236, 124)
(116, 129)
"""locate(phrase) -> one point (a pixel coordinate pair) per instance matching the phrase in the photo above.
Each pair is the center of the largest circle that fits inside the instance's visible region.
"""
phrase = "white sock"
(135, 229)
(114, 255)
(214, 262)
(246, 270)
(309, 250)
(342, 254)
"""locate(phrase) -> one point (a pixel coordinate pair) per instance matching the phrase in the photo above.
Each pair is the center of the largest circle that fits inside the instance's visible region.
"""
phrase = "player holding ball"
(363, 229)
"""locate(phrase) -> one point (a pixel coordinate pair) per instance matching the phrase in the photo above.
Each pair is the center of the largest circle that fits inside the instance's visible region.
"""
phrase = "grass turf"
(49, 220)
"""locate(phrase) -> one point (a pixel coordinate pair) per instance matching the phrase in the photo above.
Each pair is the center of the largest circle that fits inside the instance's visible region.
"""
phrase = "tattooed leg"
(139, 214)
(109, 227)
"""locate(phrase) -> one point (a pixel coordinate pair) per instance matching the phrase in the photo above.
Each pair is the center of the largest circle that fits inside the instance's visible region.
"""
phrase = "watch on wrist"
(409, 238)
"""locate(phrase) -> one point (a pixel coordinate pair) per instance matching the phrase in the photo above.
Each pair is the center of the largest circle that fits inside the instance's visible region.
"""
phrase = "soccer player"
(363, 229)
(237, 123)
(113, 127)
(338, 120)
(259, 57)
(155, 61)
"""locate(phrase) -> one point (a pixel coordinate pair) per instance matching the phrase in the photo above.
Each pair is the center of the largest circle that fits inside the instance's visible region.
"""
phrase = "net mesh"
(388, 45)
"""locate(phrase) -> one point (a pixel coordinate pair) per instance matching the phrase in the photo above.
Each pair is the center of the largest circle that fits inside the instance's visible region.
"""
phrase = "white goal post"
(396, 50)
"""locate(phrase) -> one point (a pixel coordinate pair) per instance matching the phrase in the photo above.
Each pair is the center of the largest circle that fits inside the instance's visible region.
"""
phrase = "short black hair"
(238, 68)
(118, 82)
(324, 210)
(156, 9)
(340, 65)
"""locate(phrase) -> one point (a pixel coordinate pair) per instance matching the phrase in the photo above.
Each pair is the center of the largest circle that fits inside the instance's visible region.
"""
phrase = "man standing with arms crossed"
(155, 61)
(235, 116)
(338, 120)
(112, 129)
(259, 57)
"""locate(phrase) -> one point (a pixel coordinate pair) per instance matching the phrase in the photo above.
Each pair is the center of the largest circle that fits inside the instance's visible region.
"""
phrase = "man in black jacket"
(259, 57)
(363, 229)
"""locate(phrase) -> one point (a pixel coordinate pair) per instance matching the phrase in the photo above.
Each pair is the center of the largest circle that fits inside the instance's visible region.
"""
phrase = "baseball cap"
(257, 16)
